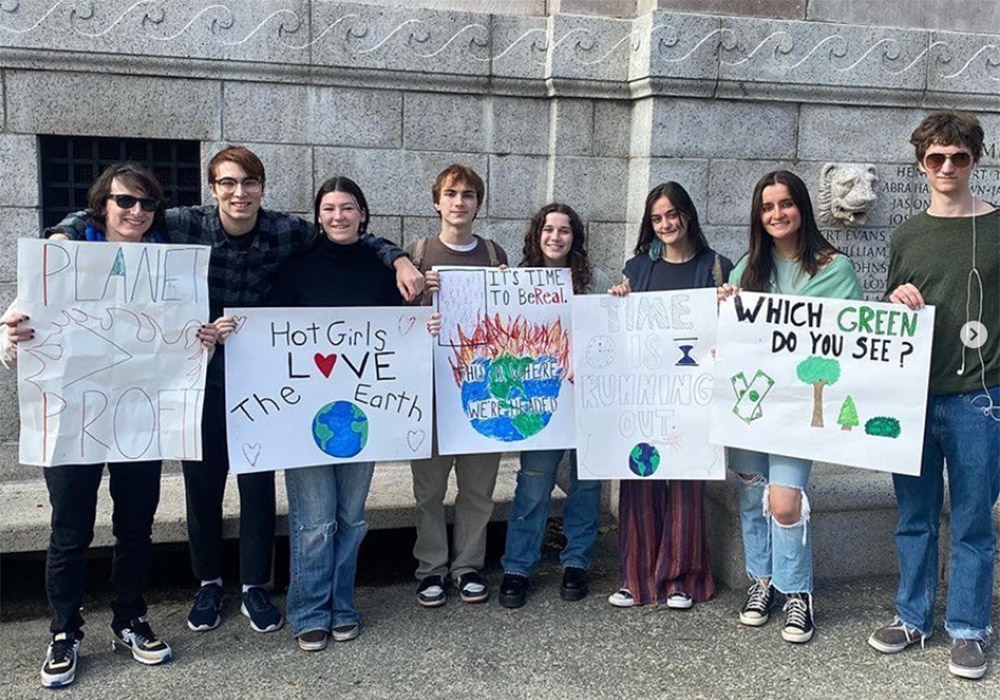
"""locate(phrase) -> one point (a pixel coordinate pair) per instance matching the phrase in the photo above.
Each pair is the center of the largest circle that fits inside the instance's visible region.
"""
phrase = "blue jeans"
(530, 511)
(326, 522)
(771, 549)
(959, 431)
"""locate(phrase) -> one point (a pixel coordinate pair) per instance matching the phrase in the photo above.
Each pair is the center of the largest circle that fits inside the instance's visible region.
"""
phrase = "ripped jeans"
(781, 552)
(530, 512)
(326, 524)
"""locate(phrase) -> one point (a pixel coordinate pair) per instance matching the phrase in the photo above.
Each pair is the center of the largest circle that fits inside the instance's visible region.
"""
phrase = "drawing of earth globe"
(644, 459)
(340, 429)
(514, 397)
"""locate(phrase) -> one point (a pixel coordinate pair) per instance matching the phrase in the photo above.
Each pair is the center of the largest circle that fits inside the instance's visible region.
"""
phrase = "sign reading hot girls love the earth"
(115, 371)
(501, 362)
(644, 384)
(828, 379)
(309, 386)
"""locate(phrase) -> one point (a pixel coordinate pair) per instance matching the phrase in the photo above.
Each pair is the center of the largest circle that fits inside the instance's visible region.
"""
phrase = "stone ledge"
(26, 512)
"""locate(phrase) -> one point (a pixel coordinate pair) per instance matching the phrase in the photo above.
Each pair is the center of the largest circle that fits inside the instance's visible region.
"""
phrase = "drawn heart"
(240, 320)
(405, 324)
(415, 438)
(325, 363)
(251, 452)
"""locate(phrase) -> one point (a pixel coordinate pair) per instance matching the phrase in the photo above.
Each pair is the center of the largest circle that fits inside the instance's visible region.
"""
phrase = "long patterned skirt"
(663, 541)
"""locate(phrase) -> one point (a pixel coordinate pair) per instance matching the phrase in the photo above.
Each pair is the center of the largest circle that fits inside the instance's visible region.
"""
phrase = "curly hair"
(580, 268)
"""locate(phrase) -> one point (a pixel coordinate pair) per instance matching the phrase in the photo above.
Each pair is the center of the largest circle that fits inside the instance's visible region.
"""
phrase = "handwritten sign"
(115, 372)
(502, 360)
(310, 386)
(643, 386)
(828, 379)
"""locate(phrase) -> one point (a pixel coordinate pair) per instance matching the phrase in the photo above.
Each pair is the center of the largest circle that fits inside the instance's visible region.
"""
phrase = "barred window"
(70, 163)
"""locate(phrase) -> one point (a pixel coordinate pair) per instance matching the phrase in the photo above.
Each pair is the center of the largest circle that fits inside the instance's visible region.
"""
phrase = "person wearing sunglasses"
(949, 256)
(126, 206)
(250, 245)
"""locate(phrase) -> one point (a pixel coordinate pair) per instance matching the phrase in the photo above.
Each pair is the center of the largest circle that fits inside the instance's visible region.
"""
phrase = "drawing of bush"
(882, 426)
(848, 417)
(820, 372)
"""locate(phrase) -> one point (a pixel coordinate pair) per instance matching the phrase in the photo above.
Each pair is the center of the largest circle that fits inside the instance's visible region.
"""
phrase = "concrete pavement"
(548, 649)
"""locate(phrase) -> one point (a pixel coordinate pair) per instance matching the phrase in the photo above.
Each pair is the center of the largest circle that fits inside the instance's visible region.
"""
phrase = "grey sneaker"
(893, 638)
(968, 658)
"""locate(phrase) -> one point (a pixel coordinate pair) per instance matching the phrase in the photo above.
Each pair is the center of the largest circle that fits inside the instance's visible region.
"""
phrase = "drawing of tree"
(820, 372)
(848, 417)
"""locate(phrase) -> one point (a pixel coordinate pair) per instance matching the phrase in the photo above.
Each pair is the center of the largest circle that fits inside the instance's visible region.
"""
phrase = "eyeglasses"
(249, 184)
(935, 161)
(127, 201)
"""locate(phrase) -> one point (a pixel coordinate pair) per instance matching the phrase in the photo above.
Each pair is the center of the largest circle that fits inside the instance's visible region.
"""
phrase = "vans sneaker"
(139, 639)
(968, 658)
(893, 638)
(59, 668)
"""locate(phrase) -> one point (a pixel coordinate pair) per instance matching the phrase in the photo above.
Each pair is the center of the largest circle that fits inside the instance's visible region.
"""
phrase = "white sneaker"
(59, 668)
(679, 601)
(621, 598)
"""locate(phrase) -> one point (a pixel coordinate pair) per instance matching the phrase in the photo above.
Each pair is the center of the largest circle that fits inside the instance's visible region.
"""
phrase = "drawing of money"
(750, 395)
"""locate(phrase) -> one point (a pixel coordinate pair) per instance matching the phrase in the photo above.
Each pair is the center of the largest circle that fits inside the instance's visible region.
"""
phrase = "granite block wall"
(588, 101)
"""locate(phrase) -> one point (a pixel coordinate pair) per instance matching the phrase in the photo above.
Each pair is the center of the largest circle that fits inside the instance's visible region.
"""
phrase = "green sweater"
(935, 255)
(837, 280)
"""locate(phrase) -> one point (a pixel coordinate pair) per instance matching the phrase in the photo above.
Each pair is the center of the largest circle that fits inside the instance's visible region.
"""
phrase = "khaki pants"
(476, 475)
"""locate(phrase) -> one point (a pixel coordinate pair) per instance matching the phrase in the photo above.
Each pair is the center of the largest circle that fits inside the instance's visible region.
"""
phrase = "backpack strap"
(419, 250)
(717, 271)
(491, 249)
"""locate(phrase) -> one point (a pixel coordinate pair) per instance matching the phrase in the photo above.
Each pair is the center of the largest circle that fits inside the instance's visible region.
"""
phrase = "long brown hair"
(813, 251)
(579, 264)
(679, 197)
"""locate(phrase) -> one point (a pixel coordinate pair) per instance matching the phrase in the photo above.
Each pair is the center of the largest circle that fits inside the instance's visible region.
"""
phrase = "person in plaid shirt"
(249, 246)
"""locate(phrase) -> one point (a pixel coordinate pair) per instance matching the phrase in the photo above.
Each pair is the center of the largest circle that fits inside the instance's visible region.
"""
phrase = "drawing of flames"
(510, 374)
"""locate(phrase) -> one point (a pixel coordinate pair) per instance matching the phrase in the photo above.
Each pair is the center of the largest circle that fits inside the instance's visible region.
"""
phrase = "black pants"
(135, 491)
(205, 485)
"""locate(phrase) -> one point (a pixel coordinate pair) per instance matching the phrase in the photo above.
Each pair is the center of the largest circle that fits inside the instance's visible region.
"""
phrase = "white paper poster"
(502, 359)
(115, 372)
(643, 386)
(308, 386)
(825, 379)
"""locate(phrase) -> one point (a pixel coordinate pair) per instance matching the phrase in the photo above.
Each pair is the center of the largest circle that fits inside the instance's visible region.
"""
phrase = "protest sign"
(115, 371)
(827, 379)
(643, 386)
(309, 386)
(501, 360)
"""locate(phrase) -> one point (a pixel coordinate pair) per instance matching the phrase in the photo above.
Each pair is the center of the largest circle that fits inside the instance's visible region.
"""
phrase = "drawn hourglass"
(685, 345)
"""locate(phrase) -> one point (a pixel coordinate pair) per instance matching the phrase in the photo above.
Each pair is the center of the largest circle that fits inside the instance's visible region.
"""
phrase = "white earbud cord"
(991, 410)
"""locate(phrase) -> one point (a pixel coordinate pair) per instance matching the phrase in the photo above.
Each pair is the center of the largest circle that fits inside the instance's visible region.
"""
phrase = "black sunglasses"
(127, 201)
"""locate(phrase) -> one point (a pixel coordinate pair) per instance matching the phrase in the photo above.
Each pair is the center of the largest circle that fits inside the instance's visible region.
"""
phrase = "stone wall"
(591, 108)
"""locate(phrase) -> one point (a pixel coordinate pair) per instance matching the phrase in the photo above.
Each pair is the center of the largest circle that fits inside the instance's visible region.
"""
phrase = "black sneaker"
(313, 640)
(893, 638)
(798, 627)
(430, 592)
(59, 668)
(206, 612)
(345, 633)
(513, 590)
(575, 583)
(968, 658)
(472, 587)
(757, 608)
(139, 639)
(257, 605)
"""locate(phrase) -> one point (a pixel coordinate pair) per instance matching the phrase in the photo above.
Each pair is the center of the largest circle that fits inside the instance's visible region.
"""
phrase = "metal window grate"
(70, 163)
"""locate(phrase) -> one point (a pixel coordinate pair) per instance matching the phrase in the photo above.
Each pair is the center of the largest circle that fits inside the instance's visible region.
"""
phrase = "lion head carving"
(846, 193)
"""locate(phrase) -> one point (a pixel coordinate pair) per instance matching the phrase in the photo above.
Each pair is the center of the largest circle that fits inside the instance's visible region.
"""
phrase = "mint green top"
(837, 280)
